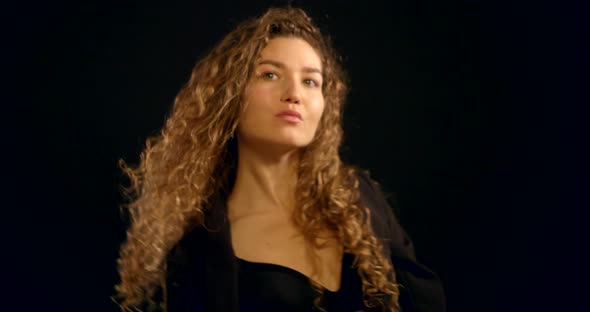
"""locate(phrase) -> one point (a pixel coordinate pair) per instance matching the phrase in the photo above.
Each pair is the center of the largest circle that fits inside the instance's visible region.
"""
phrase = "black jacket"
(203, 271)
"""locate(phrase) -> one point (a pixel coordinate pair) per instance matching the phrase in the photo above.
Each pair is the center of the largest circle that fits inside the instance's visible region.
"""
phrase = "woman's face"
(284, 100)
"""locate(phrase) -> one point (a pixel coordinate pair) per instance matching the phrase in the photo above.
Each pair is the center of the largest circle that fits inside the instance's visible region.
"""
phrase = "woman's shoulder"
(372, 194)
(384, 221)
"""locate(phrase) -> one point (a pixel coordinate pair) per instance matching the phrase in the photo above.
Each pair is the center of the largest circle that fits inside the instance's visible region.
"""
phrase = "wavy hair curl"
(194, 157)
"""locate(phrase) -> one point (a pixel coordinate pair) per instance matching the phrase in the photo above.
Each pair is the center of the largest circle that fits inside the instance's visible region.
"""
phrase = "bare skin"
(261, 204)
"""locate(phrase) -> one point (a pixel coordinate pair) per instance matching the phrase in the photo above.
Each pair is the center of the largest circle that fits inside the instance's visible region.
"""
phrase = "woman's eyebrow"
(278, 64)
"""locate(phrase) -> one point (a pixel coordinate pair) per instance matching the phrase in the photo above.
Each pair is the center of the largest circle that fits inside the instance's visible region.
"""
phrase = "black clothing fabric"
(203, 271)
(271, 287)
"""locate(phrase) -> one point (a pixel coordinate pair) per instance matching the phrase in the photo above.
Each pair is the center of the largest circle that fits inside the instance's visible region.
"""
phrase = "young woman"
(242, 202)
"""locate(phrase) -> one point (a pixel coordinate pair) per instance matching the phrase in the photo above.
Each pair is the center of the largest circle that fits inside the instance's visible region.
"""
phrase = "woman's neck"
(265, 182)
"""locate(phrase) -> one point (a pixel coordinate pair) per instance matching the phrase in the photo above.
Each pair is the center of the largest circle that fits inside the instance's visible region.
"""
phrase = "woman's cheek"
(319, 111)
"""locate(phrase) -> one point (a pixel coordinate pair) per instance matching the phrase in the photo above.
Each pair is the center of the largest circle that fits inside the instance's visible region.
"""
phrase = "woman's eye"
(269, 75)
(311, 82)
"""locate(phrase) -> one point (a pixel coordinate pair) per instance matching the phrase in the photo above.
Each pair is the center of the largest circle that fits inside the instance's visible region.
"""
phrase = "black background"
(464, 109)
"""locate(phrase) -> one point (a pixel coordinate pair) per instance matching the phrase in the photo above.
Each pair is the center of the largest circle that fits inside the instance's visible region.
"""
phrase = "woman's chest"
(275, 239)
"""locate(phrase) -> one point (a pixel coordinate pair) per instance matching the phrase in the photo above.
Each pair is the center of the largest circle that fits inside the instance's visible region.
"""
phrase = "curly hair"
(194, 157)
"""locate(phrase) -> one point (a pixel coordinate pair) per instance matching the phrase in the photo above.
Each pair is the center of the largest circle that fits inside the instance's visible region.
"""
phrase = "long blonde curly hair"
(194, 157)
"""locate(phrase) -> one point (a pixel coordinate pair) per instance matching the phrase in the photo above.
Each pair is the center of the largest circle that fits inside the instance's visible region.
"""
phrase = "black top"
(273, 287)
(203, 273)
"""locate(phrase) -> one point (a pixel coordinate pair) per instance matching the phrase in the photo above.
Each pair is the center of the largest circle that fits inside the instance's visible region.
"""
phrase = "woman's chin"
(285, 143)
(291, 142)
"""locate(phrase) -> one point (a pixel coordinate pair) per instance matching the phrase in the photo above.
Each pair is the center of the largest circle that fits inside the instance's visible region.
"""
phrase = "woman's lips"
(290, 115)
(289, 118)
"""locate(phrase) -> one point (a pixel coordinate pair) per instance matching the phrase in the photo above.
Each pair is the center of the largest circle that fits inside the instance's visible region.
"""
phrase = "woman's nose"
(291, 93)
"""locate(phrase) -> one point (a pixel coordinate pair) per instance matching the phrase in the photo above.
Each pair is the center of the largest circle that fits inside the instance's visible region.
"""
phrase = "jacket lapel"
(221, 268)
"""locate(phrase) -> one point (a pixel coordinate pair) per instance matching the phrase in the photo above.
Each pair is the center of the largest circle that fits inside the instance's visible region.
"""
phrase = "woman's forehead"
(291, 52)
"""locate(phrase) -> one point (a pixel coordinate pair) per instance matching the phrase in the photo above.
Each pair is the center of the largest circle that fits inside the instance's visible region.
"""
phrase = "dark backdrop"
(457, 107)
